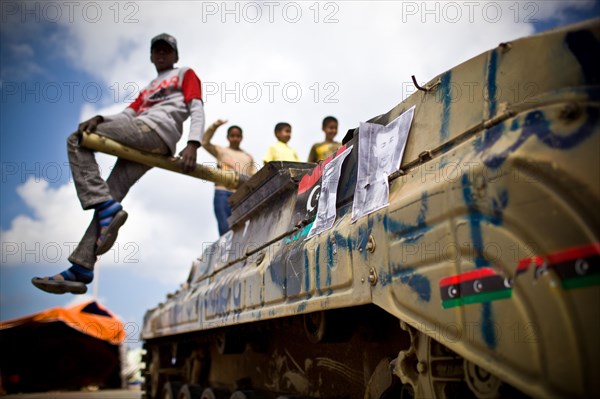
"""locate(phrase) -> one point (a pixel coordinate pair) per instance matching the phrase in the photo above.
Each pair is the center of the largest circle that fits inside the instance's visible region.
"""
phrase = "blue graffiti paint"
(213, 299)
(384, 278)
(491, 83)
(411, 233)
(515, 125)
(301, 307)
(330, 265)
(536, 124)
(223, 298)
(445, 93)
(363, 237)
(415, 281)
(423, 210)
(491, 135)
(498, 206)
(582, 44)
(474, 221)
(487, 325)
(318, 269)
(342, 241)
(277, 270)
(294, 269)
(330, 260)
(278, 277)
(237, 294)
(418, 283)
(306, 271)
(475, 217)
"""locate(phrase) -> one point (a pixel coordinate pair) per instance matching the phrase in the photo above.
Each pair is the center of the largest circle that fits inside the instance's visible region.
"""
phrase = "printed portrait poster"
(326, 211)
(380, 152)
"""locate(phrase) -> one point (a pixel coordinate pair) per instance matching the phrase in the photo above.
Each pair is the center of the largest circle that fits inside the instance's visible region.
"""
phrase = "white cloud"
(355, 68)
(56, 223)
(165, 231)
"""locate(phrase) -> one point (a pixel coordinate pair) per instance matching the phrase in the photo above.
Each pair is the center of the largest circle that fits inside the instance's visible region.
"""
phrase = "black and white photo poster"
(380, 152)
(326, 209)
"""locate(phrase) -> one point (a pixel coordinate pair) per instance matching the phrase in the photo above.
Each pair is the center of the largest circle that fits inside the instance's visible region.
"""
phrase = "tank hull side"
(490, 244)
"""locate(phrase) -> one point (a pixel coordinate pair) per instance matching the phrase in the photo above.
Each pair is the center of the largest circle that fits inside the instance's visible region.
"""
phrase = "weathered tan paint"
(539, 200)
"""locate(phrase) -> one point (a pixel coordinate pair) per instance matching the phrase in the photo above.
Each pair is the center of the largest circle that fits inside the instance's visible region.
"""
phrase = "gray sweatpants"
(93, 190)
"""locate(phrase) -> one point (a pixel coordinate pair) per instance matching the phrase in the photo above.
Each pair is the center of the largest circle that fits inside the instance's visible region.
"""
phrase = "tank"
(479, 279)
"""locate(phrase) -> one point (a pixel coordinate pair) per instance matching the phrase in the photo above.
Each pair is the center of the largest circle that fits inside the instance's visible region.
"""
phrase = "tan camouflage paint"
(487, 185)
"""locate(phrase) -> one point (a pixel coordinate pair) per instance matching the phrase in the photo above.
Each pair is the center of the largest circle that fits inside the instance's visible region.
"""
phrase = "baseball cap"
(170, 40)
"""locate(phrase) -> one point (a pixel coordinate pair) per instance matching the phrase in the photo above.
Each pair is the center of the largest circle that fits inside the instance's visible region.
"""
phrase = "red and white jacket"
(164, 105)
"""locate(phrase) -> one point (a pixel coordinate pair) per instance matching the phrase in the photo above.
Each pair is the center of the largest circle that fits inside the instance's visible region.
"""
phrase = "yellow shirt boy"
(281, 151)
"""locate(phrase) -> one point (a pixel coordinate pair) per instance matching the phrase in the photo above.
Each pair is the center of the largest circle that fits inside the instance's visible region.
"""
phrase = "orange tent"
(61, 349)
(90, 318)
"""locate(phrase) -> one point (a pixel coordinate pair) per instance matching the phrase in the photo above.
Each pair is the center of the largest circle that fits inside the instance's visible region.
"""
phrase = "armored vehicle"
(474, 275)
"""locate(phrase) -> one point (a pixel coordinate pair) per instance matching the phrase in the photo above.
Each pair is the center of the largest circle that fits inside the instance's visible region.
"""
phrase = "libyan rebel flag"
(479, 285)
(576, 267)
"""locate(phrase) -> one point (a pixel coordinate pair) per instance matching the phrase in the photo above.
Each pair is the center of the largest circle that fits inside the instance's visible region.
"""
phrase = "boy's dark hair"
(281, 126)
(328, 119)
(234, 127)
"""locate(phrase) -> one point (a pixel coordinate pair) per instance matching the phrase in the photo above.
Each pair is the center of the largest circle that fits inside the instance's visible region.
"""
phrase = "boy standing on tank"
(320, 151)
(228, 158)
(281, 151)
(152, 123)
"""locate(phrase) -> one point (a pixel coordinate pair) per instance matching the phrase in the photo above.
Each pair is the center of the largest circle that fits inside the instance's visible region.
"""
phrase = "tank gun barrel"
(93, 141)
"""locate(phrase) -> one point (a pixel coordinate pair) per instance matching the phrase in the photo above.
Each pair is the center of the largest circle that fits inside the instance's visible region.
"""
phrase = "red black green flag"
(479, 285)
(576, 267)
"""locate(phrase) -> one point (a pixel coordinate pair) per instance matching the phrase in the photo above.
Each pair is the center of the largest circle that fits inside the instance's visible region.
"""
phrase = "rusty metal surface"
(490, 244)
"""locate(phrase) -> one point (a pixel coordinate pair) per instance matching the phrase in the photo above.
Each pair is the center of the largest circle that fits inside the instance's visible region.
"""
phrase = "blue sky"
(56, 72)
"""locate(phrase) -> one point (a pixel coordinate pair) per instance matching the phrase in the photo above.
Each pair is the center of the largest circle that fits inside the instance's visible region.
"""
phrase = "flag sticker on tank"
(576, 267)
(480, 285)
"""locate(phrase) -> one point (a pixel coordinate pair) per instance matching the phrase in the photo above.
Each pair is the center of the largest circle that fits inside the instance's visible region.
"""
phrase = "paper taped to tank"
(326, 210)
(380, 153)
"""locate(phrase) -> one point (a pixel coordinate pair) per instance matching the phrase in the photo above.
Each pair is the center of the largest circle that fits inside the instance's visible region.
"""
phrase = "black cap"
(165, 37)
